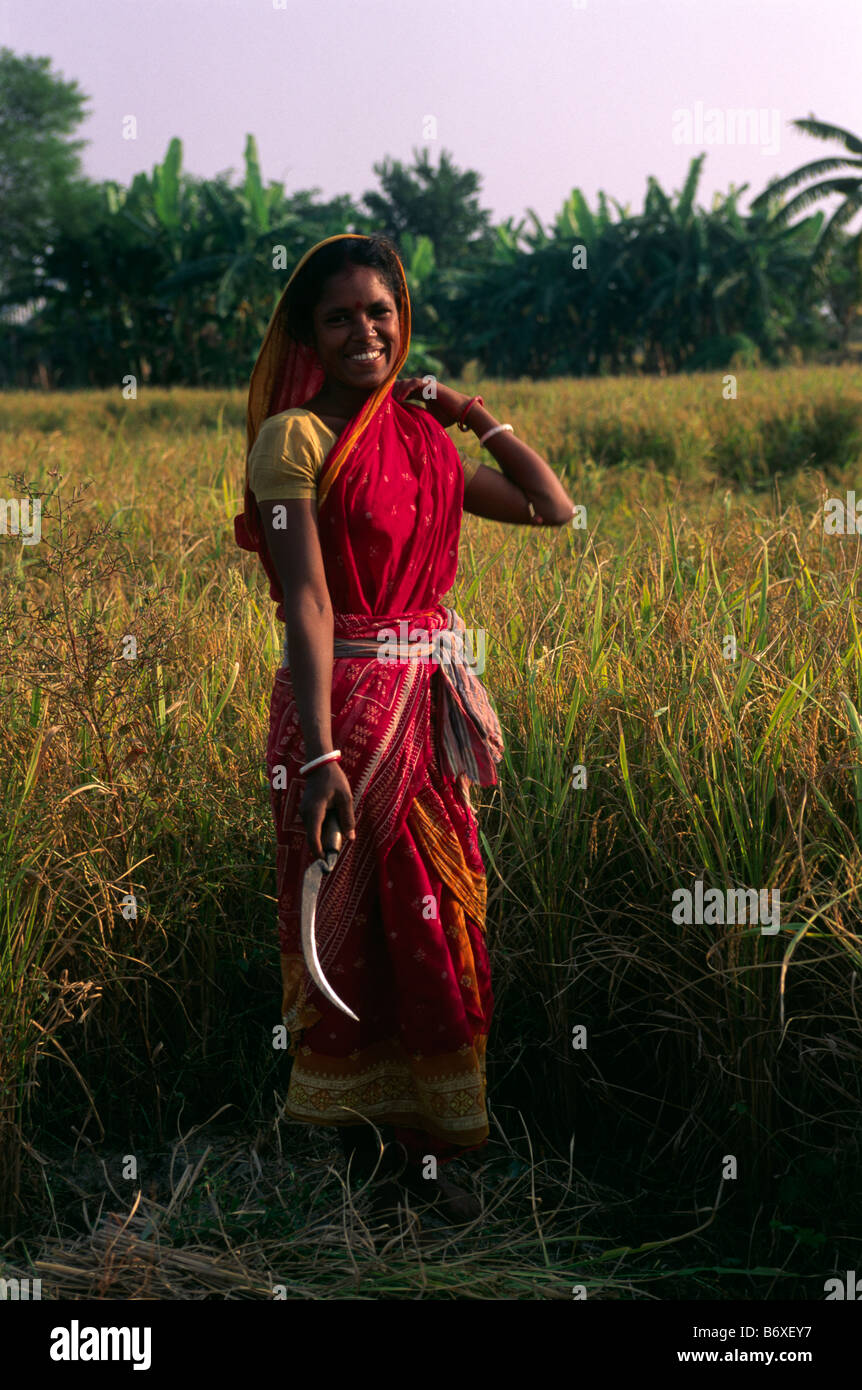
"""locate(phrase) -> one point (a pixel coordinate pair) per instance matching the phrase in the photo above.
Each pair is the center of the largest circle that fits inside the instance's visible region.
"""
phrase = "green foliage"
(439, 202)
(38, 162)
(173, 279)
(714, 353)
(850, 188)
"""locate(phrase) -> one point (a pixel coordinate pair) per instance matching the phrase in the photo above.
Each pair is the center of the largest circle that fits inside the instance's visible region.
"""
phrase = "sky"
(537, 96)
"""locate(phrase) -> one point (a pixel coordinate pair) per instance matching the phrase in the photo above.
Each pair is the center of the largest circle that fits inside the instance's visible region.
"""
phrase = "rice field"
(694, 651)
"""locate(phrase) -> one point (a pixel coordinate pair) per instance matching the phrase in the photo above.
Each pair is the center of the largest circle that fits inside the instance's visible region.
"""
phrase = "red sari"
(401, 918)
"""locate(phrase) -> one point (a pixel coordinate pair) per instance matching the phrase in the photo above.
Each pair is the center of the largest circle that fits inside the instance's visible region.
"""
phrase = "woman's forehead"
(347, 289)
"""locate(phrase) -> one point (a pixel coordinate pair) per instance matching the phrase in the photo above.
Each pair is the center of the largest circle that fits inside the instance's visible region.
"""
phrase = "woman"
(353, 503)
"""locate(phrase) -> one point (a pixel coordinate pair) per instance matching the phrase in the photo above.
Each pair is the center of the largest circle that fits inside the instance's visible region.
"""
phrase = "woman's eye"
(378, 313)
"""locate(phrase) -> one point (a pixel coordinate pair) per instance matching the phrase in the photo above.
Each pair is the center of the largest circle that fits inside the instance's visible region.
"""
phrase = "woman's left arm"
(526, 479)
(527, 492)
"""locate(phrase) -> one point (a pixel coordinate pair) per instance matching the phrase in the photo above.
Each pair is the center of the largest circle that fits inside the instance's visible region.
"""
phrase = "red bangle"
(462, 416)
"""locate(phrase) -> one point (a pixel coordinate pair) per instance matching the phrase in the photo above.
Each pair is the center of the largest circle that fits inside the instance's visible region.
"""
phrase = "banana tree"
(849, 188)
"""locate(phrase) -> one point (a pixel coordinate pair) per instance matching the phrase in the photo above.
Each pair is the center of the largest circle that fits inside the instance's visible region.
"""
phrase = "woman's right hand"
(445, 405)
(326, 788)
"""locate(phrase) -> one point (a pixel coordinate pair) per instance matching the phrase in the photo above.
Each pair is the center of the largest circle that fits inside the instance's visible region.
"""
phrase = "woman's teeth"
(367, 356)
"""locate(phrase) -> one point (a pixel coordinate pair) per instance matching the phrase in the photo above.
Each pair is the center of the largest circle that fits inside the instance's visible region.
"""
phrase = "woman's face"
(356, 328)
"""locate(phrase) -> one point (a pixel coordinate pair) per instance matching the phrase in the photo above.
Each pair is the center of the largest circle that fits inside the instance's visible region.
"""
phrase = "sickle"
(331, 840)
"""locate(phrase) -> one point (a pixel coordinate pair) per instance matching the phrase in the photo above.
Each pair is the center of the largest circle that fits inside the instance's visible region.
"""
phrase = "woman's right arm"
(295, 553)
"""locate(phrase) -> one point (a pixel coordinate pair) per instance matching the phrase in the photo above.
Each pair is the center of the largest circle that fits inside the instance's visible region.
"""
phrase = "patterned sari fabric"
(401, 918)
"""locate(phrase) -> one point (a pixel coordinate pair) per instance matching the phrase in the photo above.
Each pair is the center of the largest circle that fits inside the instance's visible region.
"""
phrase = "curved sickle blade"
(331, 838)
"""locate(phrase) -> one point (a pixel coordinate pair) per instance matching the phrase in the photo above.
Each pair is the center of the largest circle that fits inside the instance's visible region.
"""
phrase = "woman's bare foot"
(452, 1202)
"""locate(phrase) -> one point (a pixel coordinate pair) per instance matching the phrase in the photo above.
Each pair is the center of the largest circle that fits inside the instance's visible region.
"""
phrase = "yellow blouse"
(288, 454)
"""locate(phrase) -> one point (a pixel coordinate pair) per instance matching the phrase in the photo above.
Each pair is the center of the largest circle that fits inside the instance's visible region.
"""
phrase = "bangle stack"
(324, 758)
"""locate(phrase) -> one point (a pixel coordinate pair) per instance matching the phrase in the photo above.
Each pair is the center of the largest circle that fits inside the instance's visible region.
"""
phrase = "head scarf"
(286, 374)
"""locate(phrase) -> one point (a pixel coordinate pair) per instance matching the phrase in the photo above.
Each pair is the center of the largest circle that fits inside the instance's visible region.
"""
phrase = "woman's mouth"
(368, 356)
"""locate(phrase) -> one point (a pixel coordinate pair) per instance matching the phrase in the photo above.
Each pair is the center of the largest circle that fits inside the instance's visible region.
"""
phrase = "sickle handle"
(330, 838)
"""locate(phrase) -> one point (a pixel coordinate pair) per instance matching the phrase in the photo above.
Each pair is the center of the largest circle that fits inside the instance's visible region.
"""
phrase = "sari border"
(443, 1094)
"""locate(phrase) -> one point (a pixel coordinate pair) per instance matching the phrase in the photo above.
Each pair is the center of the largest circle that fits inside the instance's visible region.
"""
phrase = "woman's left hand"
(447, 406)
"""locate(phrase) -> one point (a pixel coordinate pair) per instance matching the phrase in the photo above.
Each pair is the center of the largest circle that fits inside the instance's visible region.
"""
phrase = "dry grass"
(276, 1219)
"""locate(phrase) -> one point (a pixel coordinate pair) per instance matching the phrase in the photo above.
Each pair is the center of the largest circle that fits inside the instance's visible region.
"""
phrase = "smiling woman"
(350, 315)
(353, 503)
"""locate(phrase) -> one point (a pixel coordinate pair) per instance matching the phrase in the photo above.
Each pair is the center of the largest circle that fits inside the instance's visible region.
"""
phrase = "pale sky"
(538, 96)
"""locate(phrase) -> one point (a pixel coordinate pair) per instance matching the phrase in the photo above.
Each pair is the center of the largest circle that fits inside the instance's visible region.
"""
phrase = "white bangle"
(324, 758)
(496, 430)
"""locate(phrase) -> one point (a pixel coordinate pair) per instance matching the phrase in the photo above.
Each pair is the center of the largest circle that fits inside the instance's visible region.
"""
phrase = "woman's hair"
(376, 252)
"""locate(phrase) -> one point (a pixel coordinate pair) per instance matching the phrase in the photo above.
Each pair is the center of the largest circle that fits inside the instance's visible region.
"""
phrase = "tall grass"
(144, 778)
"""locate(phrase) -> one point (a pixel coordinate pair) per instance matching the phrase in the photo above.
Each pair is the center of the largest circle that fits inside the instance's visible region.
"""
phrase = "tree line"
(173, 279)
